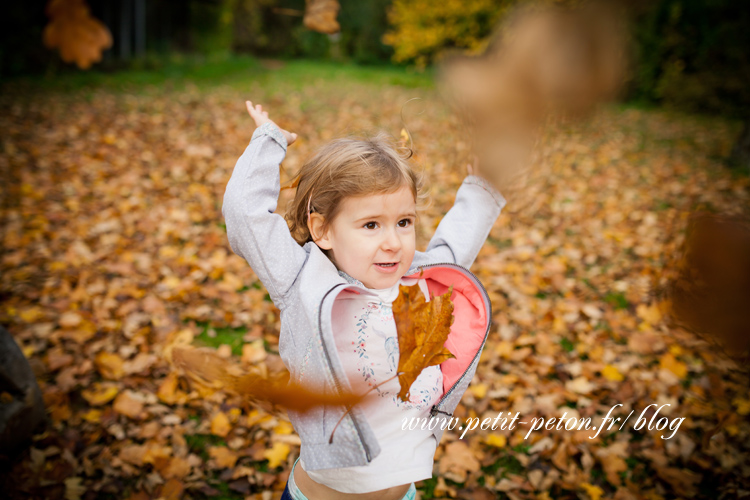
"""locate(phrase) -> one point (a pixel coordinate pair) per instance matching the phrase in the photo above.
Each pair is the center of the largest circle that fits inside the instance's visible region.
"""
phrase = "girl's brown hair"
(348, 167)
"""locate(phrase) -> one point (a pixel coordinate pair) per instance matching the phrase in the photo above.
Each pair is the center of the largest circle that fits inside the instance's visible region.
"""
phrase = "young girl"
(333, 269)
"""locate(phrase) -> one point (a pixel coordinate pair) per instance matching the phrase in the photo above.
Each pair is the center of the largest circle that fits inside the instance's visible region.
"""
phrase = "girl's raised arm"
(255, 232)
(463, 230)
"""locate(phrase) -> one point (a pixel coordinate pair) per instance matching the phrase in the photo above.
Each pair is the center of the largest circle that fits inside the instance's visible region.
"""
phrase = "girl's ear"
(316, 224)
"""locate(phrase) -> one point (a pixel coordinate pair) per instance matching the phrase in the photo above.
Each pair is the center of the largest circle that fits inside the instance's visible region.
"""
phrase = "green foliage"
(692, 54)
(423, 29)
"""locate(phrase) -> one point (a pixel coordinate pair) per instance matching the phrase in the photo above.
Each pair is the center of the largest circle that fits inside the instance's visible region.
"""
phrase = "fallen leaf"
(100, 393)
(457, 462)
(220, 425)
(126, 404)
(611, 373)
(109, 365)
(276, 454)
(223, 456)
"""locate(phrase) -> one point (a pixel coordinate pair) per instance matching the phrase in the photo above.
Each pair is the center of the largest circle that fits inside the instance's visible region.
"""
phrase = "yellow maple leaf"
(276, 454)
(611, 373)
(594, 492)
(669, 362)
(496, 440)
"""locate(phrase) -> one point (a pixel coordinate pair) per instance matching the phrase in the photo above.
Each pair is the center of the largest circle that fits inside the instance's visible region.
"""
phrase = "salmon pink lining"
(469, 319)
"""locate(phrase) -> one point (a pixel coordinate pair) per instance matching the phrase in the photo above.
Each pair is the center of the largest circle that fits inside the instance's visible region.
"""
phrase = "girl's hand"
(261, 117)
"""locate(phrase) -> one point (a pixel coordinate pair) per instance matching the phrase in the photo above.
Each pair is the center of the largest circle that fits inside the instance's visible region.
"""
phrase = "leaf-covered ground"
(114, 248)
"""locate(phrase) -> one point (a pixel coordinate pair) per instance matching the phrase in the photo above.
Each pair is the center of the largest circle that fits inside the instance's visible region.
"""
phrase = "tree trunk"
(740, 157)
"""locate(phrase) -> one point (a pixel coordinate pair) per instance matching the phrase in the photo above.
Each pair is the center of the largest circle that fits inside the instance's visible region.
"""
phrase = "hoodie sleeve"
(255, 232)
(464, 229)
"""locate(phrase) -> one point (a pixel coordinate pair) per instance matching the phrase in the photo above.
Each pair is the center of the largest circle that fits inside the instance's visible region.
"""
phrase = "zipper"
(368, 455)
(434, 410)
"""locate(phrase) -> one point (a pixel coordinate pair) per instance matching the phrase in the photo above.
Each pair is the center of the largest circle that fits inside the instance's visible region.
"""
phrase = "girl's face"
(372, 238)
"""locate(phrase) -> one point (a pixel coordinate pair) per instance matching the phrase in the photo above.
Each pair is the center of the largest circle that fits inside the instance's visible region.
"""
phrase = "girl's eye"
(371, 225)
(404, 223)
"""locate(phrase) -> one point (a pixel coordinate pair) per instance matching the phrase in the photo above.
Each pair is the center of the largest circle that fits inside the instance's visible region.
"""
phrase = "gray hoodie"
(304, 284)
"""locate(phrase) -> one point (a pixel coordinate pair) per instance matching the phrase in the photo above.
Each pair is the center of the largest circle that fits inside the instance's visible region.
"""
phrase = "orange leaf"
(109, 365)
(99, 394)
(80, 37)
(423, 328)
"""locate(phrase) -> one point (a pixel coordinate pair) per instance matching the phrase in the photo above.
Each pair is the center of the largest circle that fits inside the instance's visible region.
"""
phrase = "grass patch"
(617, 300)
(214, 337)
(199, 443)
(177, 72)
(505, 464)
(567, 345)
(427, 487)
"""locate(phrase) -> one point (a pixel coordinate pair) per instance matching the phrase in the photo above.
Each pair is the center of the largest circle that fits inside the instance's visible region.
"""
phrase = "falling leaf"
(73, 488)
(320, 15)
(80, 37)
(423, 327)
(206, 367)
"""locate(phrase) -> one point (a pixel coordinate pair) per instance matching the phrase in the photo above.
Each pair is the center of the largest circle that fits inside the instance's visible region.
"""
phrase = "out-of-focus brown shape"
(710, 293)
(80, 37)
(204, 366)
(423, 328)
(320, 15)
(544, 62)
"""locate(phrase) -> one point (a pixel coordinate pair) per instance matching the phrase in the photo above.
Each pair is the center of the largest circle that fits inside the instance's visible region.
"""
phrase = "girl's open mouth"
(387, 266)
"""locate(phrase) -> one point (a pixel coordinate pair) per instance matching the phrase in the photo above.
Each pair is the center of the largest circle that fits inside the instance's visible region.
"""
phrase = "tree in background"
(422, 29)
(695, 55)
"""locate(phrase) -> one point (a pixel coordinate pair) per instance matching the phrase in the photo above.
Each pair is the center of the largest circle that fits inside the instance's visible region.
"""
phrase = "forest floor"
(114, 245)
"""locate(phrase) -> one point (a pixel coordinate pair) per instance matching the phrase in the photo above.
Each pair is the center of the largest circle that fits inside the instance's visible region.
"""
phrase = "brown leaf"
(423, 328)
(457, 461)
(224, 457)
(126, 404)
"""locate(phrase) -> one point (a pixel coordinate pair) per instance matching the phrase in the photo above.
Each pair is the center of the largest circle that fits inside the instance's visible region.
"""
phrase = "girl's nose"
(391, 241)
